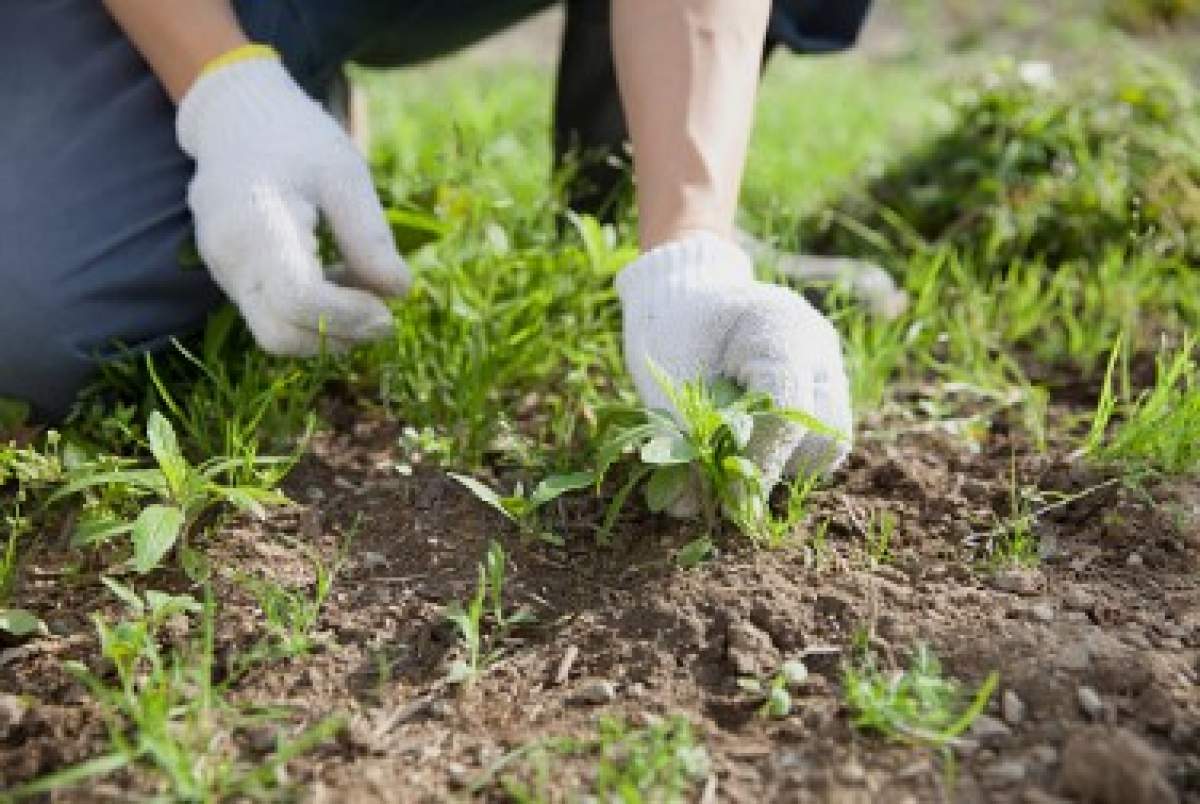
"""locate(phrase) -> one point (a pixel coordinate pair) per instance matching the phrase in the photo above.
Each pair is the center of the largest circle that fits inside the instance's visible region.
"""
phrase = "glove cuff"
(244, 95)
(698, 261)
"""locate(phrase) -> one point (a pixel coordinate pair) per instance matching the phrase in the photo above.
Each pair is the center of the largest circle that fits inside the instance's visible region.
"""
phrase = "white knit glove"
(694, 309)
(267, 159)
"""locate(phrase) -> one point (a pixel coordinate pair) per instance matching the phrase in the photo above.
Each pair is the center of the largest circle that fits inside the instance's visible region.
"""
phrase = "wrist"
(696, 260)
(236, 96)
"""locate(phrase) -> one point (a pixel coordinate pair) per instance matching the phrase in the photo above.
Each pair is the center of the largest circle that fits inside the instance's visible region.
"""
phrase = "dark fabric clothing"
(93, 214)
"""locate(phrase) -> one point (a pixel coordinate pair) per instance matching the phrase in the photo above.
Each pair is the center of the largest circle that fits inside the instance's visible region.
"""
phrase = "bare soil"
(1113, 607)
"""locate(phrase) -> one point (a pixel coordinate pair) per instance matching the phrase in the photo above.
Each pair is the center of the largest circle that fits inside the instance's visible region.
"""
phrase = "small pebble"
(1134, 560)
(851, 772)
(988, 730)
(1042, 612)
(1044, 755)
(458, 773)
(1090, 702)
(596, 692)
(1004, 773)
(1075, 599)
(12, 714)
(1018, 582)
(1012, 707)
(371, 559)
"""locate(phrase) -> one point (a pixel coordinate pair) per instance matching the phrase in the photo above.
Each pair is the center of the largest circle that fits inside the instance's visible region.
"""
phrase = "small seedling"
(701, 457)
(523, 510)
(918, 705)
(775, 691)
(482, 649)
(183, 492)
(291, 613)
(658, 762)
(880, 531)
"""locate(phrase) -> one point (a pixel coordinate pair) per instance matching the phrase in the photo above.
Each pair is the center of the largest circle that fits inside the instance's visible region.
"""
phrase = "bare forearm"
(178, 37)
(688, 72)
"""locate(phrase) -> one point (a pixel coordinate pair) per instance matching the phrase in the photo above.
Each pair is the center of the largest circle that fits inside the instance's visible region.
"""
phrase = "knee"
(38, 366)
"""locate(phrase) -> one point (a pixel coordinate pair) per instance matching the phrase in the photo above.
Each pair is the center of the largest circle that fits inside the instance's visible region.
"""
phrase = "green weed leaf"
(666, 485)
(666, 449)
(124, 594)
(165, 448)
(20, 623)
(484, 493)
(154, 534)
(557, 485)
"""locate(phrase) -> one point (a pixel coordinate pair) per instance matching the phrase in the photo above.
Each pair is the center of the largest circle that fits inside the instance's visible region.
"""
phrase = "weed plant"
(1046, 169)
(917, 705)
(483, 623)
(165, 712)
(660, 762)
(1158, 430)
(182, 493)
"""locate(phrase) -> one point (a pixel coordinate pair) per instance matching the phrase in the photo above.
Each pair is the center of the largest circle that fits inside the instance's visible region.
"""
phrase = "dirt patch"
(1113, 609)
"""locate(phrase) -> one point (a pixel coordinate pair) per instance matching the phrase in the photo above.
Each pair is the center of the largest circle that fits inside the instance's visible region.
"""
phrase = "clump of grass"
(1034, 166)
(1157, 431)
(483, 645)
(659, 762)
(291, 614)
(917, 705)
(166, 714)
(182, 493)
(490, 332)
(1152, 16)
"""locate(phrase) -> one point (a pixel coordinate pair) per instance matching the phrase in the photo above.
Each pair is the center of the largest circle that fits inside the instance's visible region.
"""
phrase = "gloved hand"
(694, 309)
(267, 159)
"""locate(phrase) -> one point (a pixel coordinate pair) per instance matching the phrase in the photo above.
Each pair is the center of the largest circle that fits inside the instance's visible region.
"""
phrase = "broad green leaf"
(724, 392)
(154, 534)
(668, 449)
(483, 493)
(616, 445)
(666, 485)
(742, 468)
(124, 594)
(165, 448)
(20, 622)
(779, 702)
(98, 530)
(695, 552)
(557, 485)
(245, 500)
(145, 480)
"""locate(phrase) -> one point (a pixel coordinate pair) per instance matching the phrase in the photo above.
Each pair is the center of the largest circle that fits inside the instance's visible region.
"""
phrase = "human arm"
(688, 71)
(178, 37)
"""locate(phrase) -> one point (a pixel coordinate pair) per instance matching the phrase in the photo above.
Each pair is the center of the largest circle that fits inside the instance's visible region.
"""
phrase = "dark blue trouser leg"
(93, 212)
